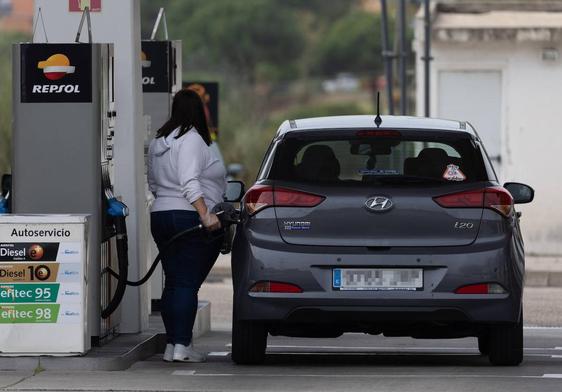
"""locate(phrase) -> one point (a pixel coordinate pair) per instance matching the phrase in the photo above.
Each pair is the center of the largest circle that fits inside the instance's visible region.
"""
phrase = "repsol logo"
(56, 89)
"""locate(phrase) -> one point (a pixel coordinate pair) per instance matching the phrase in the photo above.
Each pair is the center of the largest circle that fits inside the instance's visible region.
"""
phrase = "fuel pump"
(62, 158)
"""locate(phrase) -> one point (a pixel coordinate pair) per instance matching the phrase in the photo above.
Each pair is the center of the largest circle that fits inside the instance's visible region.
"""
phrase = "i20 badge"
(378, 204)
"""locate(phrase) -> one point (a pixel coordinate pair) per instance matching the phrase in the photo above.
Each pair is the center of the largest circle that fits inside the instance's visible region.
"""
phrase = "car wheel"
(506, 344)
(484, 344)
(249, 340)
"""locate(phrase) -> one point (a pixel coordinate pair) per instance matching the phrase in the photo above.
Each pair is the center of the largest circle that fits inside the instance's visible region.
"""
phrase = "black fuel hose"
(158, 258)
(123, 258)
(226, 213)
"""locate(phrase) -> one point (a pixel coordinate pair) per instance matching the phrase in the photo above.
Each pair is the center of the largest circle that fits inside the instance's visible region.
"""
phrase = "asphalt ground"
(353, 362)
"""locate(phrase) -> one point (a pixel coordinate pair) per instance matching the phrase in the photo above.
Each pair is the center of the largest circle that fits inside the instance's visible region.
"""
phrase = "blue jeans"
(186, 264)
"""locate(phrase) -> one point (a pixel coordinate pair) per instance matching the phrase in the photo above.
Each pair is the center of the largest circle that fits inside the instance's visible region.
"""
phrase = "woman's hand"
(210, 221)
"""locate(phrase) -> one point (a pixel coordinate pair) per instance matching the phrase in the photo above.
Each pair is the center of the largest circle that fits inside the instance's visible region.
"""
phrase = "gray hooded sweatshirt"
(180, 171)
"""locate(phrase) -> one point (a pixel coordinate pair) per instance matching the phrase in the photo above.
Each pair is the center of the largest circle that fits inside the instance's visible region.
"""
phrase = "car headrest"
(319, 163)
(433, 154)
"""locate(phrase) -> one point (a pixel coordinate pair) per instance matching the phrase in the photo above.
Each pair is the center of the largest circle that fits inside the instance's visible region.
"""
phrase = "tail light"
(495, 198)
(275, 287)
(481, 288)
(259, 197)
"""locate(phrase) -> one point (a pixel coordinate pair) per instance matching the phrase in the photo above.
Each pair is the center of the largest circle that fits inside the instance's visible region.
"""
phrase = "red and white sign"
(79, 5)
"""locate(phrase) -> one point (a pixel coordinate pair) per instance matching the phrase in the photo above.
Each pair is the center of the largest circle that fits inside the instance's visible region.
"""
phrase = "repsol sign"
(158, 65)
(56, 72)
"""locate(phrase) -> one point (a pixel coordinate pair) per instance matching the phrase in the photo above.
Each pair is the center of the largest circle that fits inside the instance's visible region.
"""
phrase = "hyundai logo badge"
(378, 204)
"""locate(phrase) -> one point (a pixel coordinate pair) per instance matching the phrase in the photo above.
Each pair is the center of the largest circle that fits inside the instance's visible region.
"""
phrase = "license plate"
(377, 278)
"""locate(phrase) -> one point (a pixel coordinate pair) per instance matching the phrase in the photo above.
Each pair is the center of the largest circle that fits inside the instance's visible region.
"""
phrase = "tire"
(484, 344)
(506, 344)
(249, 341)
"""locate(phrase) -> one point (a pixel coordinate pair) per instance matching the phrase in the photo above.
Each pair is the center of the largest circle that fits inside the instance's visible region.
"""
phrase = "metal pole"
(402, 32)
(427, 57)
(388, 56)
(161, 16)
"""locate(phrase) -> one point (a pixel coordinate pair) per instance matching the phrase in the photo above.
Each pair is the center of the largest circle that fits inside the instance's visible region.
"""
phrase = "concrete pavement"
(354, 362)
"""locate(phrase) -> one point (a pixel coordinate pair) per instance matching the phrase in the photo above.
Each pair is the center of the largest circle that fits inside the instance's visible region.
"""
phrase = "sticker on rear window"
(453, 173)
(378, 172)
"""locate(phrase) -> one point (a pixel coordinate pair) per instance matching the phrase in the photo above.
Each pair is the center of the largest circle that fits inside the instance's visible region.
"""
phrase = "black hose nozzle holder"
(119, 211)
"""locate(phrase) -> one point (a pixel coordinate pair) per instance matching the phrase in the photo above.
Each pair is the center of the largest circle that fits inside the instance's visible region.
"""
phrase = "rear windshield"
(357, 157)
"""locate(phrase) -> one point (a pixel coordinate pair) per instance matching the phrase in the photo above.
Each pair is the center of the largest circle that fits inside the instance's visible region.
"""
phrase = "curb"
(543, 278)
(143, 350)
(104, 361)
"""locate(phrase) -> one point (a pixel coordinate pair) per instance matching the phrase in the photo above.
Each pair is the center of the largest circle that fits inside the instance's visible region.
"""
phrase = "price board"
(43, 284)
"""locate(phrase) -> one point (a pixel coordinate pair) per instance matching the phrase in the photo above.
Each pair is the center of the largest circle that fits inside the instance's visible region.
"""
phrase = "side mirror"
(521, 193)
(234, 191)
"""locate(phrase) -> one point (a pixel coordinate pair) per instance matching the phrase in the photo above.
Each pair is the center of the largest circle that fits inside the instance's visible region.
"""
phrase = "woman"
(187, 180)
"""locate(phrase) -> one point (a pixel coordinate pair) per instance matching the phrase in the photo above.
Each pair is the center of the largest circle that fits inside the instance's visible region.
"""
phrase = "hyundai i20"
(400, 230)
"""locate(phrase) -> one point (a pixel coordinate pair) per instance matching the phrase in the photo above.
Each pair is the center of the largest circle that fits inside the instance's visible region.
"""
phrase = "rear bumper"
(275, 307)
(429, 319)
(445, 269)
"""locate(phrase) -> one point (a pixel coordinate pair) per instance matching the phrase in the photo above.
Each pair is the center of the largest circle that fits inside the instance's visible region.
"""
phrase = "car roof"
(368, 122)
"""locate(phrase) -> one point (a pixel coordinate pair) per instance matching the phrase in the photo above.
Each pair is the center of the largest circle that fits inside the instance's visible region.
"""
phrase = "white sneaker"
(168, 353)
(187, 354)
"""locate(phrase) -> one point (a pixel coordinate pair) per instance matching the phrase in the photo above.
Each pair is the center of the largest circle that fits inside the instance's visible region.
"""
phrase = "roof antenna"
(378, 119)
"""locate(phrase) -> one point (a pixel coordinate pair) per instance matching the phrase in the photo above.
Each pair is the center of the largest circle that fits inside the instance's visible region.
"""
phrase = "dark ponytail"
(187, 113)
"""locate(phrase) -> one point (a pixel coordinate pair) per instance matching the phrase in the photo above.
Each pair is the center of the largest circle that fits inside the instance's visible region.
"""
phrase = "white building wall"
(531, 126)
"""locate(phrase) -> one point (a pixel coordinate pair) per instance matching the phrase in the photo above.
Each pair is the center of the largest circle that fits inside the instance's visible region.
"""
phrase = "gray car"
(401, 230)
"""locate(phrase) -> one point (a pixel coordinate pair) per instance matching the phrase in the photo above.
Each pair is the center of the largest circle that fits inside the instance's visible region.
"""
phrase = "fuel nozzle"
(118, 211)
(227, 214)
(3, 205)
(115, 208)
